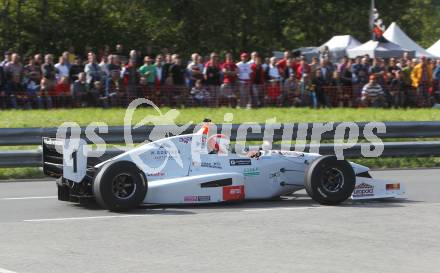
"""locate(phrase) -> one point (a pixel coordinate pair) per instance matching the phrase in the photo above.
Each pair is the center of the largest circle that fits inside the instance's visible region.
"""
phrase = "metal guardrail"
(32, 136)
(23, 158)
(403, 130)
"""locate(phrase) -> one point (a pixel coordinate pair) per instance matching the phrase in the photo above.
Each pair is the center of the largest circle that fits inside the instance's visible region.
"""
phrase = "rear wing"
(52, 158)
(65, 158)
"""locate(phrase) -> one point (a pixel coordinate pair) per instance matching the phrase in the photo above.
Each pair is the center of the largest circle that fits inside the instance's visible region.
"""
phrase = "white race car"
(198, 169)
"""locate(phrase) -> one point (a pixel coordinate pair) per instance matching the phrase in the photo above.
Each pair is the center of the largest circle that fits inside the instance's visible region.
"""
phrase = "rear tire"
(329, 181)
(120, 186)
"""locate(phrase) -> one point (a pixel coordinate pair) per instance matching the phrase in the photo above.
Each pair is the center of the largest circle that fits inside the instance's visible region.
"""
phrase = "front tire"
(120, 186)
(329, 181)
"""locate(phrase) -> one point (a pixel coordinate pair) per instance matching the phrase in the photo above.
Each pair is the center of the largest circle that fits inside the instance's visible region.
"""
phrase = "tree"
(187, 26)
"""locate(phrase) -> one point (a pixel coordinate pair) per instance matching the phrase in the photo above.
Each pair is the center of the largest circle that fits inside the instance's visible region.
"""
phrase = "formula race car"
(199, 168)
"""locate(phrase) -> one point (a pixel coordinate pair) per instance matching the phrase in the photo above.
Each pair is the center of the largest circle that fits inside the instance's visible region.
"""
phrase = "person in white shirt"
(104, 67)
(62, 69)
(254, 56)
(274, 72)
(194, 69)
(159, 69)
(244, 79)
(273, 91)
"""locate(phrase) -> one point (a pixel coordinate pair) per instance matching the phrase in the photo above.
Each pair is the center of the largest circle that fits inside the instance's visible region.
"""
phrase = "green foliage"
(202, 25)
(20, 173)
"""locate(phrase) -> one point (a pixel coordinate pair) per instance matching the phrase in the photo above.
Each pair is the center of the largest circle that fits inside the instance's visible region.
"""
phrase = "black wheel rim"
(123, 186)
(332, 180)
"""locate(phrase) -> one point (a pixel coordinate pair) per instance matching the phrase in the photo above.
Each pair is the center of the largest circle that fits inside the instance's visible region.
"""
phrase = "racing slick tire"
(120, 186)
(329, 181)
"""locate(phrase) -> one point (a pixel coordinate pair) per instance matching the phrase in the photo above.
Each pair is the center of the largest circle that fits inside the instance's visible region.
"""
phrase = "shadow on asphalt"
(380, 203)
(299, 200)
(141, 210)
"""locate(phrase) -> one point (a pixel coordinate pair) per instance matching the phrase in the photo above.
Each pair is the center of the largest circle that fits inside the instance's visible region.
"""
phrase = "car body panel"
(272, 174)
(176, 168)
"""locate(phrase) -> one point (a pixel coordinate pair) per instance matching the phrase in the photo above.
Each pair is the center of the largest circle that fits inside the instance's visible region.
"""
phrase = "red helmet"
(218, 143)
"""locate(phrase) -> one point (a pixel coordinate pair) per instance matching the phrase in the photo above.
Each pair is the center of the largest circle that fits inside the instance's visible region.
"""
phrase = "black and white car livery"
(167, 172)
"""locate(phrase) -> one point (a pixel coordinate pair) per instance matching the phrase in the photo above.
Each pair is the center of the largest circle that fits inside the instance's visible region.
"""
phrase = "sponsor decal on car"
(233, 193)
(240, 162)
(195, 198)
(191, 198)
(185, 140)
(363, 190)
(251, 172)
(291, 153)
(162, 153)
(274, 175)
(214, 165)
(393, 187)
(157, 174)
(205, 198)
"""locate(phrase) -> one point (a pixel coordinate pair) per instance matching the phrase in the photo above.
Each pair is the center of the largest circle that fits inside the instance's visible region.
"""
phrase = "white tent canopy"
(435, 49)
(377, 49)
(338, 46)
(308, 52)
(396, 35)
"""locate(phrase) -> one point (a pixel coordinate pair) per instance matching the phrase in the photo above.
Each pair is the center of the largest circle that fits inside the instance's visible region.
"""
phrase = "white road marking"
(143, 215)
(355, 206)
(84, 218)
(2, 270)
(29, 198)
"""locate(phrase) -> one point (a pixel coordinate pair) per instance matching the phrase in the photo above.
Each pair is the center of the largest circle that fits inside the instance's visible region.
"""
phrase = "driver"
(218, 144)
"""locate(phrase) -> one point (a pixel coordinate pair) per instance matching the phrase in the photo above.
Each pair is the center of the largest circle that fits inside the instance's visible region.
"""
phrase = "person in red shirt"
(229, 69)
(130, 78)
(62, 92)
(302, 68)
(281, 64)
(227, 89)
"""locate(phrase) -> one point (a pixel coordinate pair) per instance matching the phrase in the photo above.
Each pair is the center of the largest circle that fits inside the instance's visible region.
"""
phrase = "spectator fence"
(270, 94)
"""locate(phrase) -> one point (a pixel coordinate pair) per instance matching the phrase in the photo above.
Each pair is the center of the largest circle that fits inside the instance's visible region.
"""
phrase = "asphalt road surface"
(40, 234)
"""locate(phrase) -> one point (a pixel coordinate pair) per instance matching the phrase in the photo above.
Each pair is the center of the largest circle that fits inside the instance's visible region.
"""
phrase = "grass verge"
(115, 116)
(20, 173)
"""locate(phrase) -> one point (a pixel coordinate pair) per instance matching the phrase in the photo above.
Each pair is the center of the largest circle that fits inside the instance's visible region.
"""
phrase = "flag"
(373, 12)
(377, 27)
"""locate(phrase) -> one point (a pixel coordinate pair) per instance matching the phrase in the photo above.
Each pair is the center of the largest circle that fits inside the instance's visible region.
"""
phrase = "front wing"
(370, 188)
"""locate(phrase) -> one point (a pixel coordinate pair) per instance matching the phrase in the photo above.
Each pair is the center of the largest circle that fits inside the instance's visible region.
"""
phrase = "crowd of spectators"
(113, 79)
